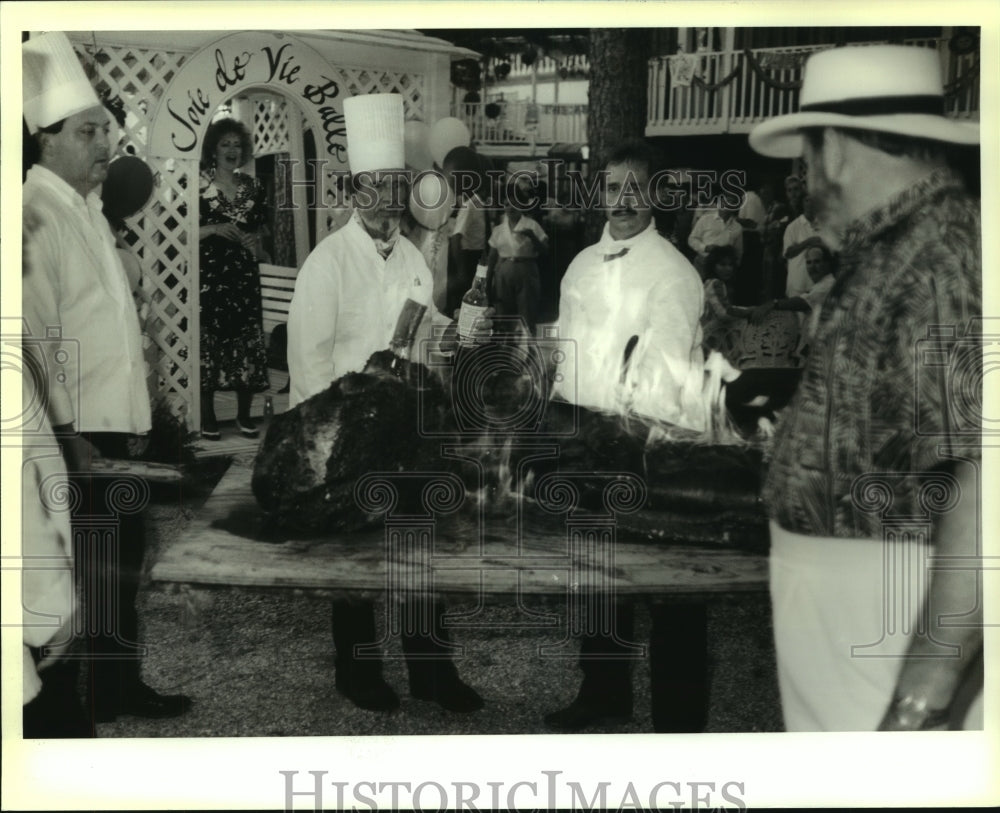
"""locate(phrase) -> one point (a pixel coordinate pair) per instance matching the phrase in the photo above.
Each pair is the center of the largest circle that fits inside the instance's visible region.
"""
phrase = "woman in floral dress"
(232, 214)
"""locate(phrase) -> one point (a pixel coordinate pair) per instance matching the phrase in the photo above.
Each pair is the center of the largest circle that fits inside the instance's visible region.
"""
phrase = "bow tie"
(609, 257)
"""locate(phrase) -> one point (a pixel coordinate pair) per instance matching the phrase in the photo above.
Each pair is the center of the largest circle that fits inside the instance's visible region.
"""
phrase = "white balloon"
(416, 145)
(431, 200)
(447, 134)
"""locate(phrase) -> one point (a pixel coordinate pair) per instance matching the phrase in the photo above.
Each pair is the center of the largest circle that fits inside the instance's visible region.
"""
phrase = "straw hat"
(375, 132)
(53, 81)
(886, 88)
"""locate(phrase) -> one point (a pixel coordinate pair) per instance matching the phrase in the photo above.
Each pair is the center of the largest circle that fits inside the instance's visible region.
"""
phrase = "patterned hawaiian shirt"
(892, 388)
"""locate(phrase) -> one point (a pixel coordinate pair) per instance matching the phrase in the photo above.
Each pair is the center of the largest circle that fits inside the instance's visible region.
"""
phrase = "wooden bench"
(277, 284)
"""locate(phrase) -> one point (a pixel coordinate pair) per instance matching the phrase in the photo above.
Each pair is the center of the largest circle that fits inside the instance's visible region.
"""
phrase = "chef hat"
(375, 137)
(54, 83)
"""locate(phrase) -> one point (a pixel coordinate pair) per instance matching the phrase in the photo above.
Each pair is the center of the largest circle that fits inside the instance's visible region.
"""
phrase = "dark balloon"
(127, 188)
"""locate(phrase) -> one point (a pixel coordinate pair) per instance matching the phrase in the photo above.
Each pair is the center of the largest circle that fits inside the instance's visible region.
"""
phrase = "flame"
(501, 493)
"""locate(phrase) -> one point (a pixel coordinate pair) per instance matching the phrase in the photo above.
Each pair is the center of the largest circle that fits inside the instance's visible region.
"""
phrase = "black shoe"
(142, 701)
(211, 433)
(584, 712)
(447, 690)
(374, 695)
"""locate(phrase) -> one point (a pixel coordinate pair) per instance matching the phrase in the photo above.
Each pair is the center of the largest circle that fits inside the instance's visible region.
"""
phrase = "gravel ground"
(260, 663)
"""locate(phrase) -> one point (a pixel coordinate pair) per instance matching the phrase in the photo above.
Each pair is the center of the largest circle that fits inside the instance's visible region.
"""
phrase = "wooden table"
(568, 557)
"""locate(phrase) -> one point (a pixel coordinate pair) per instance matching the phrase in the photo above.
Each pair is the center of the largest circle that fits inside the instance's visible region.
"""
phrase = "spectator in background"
(467, 247)
(516, 244)
(800, 234)
(673, 215)
(721, 322)
(716, 229)
(820, 268)
(794, 193)
(232, 212)
(776, 219)
(751, 217)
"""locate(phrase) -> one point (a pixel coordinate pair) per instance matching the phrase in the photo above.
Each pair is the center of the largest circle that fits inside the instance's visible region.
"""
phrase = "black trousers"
(678, 665)
(109, 544)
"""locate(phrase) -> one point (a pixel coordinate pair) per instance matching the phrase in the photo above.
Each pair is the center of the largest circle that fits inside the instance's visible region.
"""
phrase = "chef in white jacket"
(634, 289)
(632, 283)
(348, 297)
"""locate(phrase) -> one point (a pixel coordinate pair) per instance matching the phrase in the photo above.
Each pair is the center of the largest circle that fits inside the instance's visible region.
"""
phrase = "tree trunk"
(617, 107)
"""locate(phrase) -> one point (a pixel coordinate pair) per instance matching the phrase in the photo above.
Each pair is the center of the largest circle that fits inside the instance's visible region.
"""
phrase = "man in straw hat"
(347, 298)
(76, 289)
(880, 446)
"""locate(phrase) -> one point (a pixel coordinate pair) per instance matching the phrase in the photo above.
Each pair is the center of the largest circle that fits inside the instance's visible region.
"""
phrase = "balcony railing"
(513, 125)
(730, 92)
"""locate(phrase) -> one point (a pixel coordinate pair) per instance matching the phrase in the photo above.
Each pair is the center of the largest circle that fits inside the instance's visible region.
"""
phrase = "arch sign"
(239, 62)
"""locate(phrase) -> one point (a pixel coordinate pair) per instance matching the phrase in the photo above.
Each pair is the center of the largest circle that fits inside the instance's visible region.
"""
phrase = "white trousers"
(845, 611)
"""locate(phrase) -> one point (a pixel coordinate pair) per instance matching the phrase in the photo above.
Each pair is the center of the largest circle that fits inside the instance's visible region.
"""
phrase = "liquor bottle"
(409, 319)
(474, 304)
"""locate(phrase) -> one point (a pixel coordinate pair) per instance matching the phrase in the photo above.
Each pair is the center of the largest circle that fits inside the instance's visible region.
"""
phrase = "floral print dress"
(233, 355)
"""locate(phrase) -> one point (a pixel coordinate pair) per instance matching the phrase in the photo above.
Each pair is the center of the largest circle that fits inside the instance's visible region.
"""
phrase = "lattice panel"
(139, 77)
(357, 81)
(160, 235)
(270, 125)
(163, 250)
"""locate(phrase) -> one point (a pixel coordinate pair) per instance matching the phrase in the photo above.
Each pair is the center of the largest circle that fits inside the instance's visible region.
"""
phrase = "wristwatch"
(911, 712)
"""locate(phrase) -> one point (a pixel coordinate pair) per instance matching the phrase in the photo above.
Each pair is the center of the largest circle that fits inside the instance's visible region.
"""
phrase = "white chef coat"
(47, 593)
(76, 287)
(346, 303)
(651, 292)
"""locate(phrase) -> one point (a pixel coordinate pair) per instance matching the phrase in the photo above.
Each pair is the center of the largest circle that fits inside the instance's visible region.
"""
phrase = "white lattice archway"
(164, 235)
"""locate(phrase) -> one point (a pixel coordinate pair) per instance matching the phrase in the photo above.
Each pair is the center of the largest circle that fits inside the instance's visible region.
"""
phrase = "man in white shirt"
(348, 297)
(800, 235)
(76, 293)
(634, 283)
(718, 228)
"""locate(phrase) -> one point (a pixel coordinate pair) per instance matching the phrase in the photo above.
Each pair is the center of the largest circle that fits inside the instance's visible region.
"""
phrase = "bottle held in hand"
(474, 305)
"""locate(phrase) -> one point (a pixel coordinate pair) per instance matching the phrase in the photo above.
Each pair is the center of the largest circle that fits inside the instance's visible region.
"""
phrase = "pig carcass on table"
(396, 417)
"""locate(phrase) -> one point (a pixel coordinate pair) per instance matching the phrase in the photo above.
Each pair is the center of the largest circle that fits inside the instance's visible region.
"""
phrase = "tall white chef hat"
(53, 81)
(375, 134)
